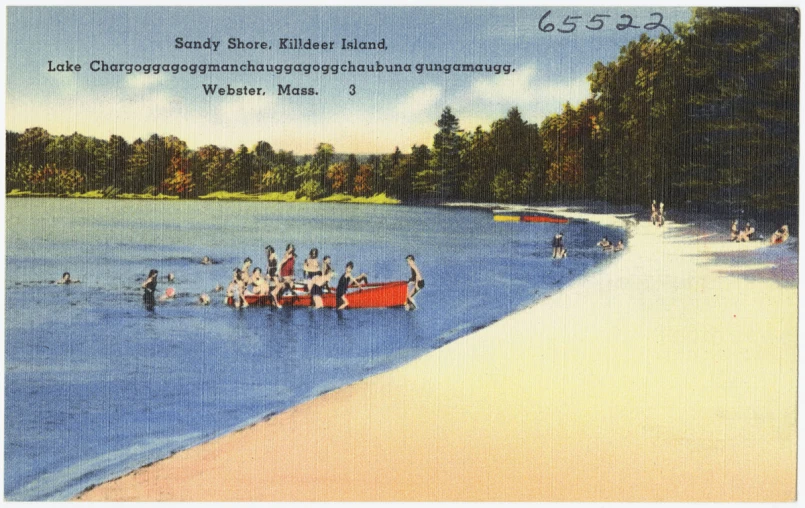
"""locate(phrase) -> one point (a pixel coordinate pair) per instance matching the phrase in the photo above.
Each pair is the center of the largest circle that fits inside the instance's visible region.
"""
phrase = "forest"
(706, 116)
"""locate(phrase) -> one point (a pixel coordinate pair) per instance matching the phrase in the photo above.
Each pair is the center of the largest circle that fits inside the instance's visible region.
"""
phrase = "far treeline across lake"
(706, 116)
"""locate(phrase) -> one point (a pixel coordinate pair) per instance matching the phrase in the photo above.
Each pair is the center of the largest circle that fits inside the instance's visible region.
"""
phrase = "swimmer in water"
(65, 279)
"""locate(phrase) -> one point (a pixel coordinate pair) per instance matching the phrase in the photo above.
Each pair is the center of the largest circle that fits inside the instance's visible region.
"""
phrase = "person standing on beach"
(734, 231)
(653, 212)
(150, 287)
(415, 283)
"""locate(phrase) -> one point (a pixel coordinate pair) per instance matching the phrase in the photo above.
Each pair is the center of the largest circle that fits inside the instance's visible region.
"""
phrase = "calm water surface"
(96, 385)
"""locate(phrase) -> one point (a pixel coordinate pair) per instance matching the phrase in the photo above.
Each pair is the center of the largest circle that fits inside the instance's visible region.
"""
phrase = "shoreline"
(540, 406)
(275, 197)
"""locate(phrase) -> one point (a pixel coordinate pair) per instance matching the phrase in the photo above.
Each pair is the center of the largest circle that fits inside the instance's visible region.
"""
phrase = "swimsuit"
(287, 268)
(272, 267)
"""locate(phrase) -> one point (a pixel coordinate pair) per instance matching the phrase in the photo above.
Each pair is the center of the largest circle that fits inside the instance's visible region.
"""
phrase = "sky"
(548, 69)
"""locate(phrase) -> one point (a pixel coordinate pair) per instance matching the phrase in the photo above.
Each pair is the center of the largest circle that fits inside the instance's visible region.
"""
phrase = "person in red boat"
(286, 273)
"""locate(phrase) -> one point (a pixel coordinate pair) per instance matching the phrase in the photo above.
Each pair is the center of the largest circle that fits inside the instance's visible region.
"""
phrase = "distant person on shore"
(345, 282)
(780, 236)
(661, 214)
(415, 283)
(734, 233)
(286, 274)
(746, 234)
(150, 287)
(654, 215)
(559, 250)
(605, 245)
(65, 279)
(204, 299)
(618, 246)
(206, 260)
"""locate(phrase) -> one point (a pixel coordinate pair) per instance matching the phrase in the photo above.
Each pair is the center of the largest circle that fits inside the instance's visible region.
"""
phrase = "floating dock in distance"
(530, 217)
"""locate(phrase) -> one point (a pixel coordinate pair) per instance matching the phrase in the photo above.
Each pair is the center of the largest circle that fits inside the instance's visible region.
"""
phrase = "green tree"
(440, 180)
(741, 135)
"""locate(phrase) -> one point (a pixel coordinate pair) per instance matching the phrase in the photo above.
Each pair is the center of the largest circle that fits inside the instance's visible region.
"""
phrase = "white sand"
(665, 375)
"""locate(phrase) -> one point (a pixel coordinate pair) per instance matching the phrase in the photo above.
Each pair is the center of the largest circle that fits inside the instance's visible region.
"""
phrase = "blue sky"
(387, 110)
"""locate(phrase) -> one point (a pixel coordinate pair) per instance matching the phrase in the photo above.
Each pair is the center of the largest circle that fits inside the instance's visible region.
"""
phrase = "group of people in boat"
(279, 279)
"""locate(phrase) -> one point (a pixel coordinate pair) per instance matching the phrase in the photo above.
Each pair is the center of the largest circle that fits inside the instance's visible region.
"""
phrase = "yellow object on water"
(506, 218)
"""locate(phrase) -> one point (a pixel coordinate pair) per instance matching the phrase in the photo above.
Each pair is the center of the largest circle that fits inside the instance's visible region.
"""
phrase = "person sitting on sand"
(605, 245)
(780, 236)
(734, 233)
(559, 250)
(618, 246)
(415, 283)
(746, 234)
(345, 282)
(286, 274)
(65, 279)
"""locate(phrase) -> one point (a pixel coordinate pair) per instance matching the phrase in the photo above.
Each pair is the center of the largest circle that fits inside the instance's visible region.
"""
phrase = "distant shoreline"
(281, 197)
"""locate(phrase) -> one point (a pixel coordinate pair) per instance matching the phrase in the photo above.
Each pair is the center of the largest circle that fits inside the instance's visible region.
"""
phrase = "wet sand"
(669, 374)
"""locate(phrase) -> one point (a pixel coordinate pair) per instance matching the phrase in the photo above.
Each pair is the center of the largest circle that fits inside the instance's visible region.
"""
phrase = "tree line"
(707, 115)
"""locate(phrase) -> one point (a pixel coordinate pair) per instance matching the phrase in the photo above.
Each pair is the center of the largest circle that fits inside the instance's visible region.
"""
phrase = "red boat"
(544, 218)
(373, 295)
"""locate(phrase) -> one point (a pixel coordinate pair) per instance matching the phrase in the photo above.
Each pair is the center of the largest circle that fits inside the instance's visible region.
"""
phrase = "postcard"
(427, 253)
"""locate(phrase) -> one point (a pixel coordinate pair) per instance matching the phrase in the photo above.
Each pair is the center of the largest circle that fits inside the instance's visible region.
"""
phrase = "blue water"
(97, 385)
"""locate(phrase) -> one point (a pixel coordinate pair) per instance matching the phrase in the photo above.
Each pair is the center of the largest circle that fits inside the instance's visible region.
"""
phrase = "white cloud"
(525, 87)
(419, 100)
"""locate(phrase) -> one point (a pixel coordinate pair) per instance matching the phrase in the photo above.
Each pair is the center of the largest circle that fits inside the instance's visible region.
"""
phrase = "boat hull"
(553, 219)
(376, 295)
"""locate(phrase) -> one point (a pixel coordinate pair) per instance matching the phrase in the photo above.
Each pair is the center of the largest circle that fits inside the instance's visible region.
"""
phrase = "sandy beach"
(667, 374)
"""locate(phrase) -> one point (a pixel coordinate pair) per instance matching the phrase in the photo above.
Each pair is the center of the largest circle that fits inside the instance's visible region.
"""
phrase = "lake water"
(96, 385)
